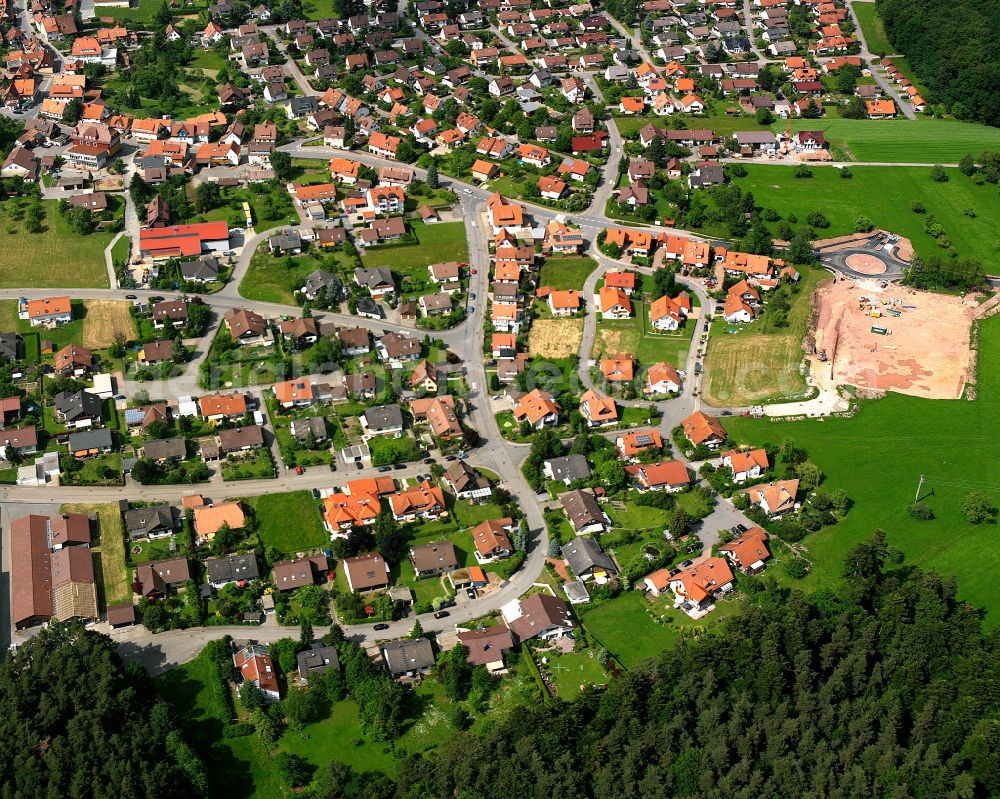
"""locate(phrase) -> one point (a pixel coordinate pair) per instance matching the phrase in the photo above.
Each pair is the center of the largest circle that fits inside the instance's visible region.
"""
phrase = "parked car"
(399, 466)
(299, 470)
(442, 614)
(131, 297)
(686, 563)
(741, 527)
(359, 465)
(428, 461)
(384, 469)
(333, 466)
(727, 413)
(381, 626)
(449, 458)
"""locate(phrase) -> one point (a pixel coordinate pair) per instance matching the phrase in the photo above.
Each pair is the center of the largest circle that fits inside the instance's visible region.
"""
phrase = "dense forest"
(954, 47)
(889, 691)
(76, 723)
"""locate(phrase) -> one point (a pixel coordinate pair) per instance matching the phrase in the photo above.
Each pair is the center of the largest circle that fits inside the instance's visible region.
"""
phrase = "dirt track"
(925, 354)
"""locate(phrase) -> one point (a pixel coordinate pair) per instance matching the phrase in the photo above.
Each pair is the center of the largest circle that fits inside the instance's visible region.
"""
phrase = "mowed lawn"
(872, 28)
(884, 194)
(288, 522)
(566, 272)
(56, 257)
(444, 241)
(918, 141)
(877, 457)
(758, 364)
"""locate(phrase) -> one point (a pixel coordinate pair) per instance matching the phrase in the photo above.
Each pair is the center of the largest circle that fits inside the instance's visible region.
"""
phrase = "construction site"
(880, 336)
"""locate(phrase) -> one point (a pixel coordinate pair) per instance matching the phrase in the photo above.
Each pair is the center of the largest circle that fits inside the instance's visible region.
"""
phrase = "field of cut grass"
(884, 194)
(918, 141)
(444, 241)
(56, 257)
(757, 364)
(877, 457)
(872, 28)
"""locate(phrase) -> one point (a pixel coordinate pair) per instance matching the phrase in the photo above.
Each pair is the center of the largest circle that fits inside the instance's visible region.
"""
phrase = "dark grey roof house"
(585, 557)
(151, 522)
(408, 657)
(231, 569)
(316, 661)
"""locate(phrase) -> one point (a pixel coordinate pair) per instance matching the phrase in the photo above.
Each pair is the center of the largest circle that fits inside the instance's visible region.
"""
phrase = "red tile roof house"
(492, 540)
(747, 465)
(748, 552)
(669, 476)
(255, 665)
(695, 587)
(775, 499)
(700, 428)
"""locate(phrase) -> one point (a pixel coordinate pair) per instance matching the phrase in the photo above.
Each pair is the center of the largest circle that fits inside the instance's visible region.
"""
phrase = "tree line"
(954, 46)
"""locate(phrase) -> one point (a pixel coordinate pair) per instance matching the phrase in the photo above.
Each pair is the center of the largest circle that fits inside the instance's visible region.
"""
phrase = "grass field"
(563, 272)
(884, 194)
(570, 671)
(757, 364)
(55, 257)
(288, 522)
(269, 280)
(627, 625)
(109, 567)
(872, 28)
(878, 456)
(441, 242)
(918, 141)
(723, 125)
(106, 320)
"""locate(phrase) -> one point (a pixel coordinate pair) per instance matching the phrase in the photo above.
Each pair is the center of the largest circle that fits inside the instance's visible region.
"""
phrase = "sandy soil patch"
(555, 338)
(865, 264)
(617, 341)
(925, 353)
(106, 320)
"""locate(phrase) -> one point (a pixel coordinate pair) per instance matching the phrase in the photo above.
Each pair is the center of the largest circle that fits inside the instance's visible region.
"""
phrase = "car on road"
(472, 309)
(741, 527)
(428, 461)
(381, 626)
(155, 299)
(131, 297)
(474, 271)
(686, 563)
(384, 469)
(229, 252)
(449, 458)
(468, 191)
(333, 466)
(472, 295)
(299, 470)
(727, 413)
(399, 466)
(442, 614)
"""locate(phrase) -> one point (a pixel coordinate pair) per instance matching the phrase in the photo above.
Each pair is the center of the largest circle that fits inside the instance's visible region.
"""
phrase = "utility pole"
(920, 485)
